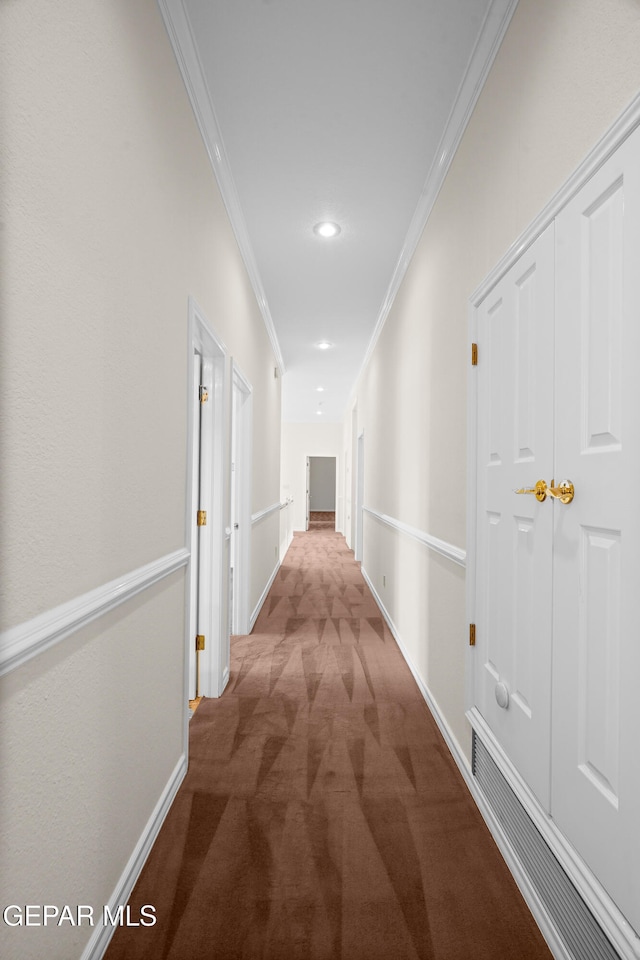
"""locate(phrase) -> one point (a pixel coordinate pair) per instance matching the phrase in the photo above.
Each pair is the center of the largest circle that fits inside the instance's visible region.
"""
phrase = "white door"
(234, 504)
(359, 498)
(206, 610)
(192, 627)
(514, 533)
(240, 487)
(203, 517)
(558, 657)
(596, 662)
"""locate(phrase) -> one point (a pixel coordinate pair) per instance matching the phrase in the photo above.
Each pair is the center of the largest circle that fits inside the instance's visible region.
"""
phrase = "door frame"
(472, 491)
(204, 342)
(307, 509)
(351, 539)
(321, 456)
(359, 505)
(589, 887)
(240, 474)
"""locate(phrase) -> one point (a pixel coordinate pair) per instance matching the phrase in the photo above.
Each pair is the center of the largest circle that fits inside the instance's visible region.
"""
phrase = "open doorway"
(321, 493)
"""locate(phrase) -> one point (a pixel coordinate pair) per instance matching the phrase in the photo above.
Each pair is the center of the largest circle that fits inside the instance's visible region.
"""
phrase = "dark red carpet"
(322, 520)
(322, 817)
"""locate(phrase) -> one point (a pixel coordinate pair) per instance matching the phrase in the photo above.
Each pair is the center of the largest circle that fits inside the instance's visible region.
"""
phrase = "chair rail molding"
(261, 514)
(27, 640)
(448, 550)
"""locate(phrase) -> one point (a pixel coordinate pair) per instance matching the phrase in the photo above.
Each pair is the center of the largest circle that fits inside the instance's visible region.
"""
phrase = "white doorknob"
(502, 694)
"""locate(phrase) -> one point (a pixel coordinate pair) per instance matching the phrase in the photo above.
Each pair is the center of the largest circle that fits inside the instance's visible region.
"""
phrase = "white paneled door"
(514, 537)
(596, 664)
(557, 671)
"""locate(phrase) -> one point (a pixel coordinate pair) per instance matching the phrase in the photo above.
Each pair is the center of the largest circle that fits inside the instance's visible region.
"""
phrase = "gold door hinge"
(200, 641)
(204, 394)
(202, 518)
(474, 354)
(472, 634)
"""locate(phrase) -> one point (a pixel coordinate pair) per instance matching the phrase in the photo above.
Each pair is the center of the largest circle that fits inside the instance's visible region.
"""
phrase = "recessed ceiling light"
(320, 389)
(319, 412)
(327, 229)
(323, 345)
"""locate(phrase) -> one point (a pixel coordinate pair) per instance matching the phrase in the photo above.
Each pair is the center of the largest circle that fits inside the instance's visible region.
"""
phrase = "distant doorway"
(321, 488)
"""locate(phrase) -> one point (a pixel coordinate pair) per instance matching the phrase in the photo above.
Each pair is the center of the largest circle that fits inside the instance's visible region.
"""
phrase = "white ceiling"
(344, 110)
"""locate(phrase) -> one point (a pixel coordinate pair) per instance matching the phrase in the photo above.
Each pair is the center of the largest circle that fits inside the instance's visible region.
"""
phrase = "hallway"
(322, 816)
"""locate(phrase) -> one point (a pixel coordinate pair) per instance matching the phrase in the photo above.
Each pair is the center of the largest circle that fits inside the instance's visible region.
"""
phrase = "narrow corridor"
(322, 817)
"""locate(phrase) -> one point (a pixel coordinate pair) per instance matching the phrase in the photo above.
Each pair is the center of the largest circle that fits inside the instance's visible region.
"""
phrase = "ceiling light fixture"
(319, 412)
(323, 345)
(320, 389)
(327, 229)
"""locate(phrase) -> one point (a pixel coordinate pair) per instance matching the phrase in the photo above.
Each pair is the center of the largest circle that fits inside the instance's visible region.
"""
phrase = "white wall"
(322, 483)
(111, 219)
(563, 74)
(265, 546)
(302, 440)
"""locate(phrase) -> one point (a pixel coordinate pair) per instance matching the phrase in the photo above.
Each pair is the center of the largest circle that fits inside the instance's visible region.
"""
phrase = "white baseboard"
(263, 597)
(609, 917)
(284, 549)
(101, 936)
(539, 912)
(445, 729)
(531, 898)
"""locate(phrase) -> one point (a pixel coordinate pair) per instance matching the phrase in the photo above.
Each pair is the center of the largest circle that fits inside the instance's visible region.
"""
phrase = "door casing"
(206, 348)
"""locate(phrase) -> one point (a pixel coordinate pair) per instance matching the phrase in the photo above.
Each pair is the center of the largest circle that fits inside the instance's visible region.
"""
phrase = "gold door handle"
(564, 492)
(539, 491)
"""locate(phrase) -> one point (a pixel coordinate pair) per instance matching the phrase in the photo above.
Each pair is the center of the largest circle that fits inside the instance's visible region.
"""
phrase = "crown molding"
(181, 38)
(480, 62)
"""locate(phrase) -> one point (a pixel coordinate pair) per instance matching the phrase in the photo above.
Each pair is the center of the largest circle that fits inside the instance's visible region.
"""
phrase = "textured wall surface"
(563, 74)
(111, 218)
